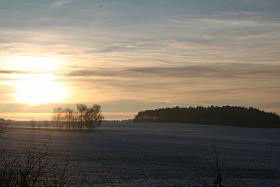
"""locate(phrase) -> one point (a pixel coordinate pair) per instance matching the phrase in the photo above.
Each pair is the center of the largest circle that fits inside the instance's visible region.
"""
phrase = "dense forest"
(215, 115)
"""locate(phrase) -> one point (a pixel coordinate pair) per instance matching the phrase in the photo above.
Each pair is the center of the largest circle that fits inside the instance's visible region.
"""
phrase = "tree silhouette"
(225, 115)
(34, 166)
(84, 117)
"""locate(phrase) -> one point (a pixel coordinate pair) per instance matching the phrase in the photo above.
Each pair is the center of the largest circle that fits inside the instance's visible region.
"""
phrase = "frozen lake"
(164, 154)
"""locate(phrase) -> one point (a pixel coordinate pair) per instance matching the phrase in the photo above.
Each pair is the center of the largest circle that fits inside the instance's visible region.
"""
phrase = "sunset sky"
(131, 55)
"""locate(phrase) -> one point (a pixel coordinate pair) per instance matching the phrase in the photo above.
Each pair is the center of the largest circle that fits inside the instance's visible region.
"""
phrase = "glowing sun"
(35, 81)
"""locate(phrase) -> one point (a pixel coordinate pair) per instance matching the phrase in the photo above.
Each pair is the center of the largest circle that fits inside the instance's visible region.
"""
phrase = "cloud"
(59, 3)
(218, 70)
(7, 72)
(218, 83)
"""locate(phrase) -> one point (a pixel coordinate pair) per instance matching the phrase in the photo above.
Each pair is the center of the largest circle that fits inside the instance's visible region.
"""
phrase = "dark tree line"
(84, 117)
(225, 115)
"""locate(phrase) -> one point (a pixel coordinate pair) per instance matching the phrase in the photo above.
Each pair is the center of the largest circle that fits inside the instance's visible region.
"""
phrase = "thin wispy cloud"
(59, 3)
(216, 70)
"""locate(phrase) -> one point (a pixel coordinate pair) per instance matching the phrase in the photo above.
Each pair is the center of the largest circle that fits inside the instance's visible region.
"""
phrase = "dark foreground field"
(161, 154)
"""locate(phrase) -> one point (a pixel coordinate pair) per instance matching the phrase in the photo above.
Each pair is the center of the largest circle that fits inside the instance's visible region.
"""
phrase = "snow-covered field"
(163, 154)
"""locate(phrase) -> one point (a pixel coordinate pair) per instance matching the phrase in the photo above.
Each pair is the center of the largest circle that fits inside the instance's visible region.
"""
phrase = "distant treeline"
(215, 115)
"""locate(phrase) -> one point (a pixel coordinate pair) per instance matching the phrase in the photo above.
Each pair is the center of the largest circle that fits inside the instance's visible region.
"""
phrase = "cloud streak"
(59, 3)
(220, 70)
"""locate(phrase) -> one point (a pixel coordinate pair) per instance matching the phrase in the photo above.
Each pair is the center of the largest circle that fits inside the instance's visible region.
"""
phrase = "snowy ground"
(164, 154)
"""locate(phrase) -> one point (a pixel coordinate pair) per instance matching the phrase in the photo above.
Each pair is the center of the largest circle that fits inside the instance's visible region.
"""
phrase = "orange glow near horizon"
(37, 84)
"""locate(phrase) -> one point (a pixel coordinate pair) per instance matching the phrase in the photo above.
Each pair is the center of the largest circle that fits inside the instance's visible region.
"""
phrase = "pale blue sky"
(131, 55)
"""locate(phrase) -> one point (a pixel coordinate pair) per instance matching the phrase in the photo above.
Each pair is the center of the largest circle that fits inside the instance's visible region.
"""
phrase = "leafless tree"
(69, 118)
(219, 179)
(84, 117)
(57, 117)
(93, 116)
(34, 166)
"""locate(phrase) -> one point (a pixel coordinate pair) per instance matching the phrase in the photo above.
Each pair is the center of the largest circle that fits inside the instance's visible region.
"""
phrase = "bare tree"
(57, 117)
(81, 113)
(93, 116)
(34, 166)
(69, 118)
(219, 179)
(84, 117)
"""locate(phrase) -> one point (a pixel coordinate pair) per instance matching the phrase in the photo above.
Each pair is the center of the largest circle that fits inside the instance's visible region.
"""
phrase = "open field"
(162, 154)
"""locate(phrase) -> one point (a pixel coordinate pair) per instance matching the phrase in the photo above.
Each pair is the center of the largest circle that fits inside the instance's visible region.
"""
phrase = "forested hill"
(226, 115)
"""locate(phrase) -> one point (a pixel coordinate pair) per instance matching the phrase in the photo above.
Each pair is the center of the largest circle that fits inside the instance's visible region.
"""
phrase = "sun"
(39, 89)
(35, 81)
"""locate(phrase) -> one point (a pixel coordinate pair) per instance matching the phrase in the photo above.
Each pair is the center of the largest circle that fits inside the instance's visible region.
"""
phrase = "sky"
(131, 55)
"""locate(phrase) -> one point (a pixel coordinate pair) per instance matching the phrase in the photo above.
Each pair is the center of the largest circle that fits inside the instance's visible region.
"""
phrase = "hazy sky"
(130, 55)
